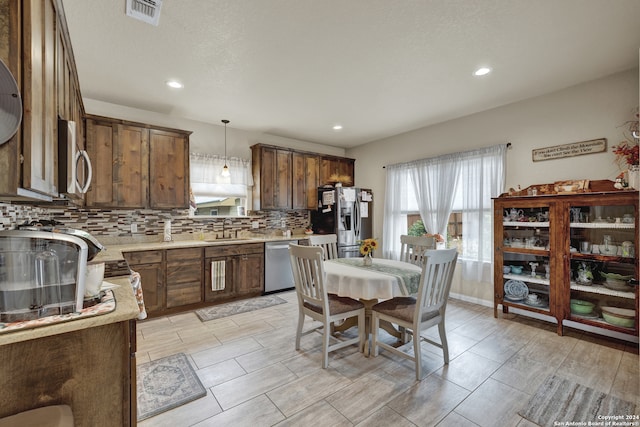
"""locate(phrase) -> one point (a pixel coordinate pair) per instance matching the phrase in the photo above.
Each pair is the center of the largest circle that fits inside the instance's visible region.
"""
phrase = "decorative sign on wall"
(569, 150)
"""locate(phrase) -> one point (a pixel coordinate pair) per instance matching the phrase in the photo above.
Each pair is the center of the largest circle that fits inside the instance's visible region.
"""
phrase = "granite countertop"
(126, 309)
(114, 252)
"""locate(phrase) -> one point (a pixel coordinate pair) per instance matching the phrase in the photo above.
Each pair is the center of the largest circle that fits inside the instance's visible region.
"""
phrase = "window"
(214, 194)
(452, 194)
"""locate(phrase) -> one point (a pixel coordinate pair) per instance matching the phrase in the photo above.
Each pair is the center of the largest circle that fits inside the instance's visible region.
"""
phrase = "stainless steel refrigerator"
(346, 212)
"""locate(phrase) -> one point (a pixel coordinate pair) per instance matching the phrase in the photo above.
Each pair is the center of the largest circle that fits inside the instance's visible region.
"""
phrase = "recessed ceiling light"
(175, 84)
(337, 127)
(482, 71)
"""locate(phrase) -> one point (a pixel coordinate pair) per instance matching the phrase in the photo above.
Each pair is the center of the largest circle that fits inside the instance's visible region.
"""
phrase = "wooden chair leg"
(299, 329)
(443, 340)
(326, 333)
(417, 354)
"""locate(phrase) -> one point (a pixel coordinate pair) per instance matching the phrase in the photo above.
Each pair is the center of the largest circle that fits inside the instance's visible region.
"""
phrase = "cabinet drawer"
(189, 254)
(231, 250)
(183, 293)
(143, 257)
(181, 273)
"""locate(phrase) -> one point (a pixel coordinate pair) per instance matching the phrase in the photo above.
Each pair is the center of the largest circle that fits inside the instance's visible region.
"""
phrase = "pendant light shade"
(225, 169)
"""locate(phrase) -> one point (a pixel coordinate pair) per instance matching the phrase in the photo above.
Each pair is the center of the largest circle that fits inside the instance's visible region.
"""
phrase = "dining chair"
(417, 314)
(412, 248)
(314, 301)
(328, 242)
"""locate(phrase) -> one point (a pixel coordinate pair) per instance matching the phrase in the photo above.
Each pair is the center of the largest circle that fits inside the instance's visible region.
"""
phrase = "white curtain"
(434, 182)
(207, 180)
(466, 180)
(395, 209)
(482, 177)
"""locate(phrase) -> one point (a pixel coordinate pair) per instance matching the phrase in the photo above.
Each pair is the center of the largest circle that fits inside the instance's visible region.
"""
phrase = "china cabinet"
(572, 258)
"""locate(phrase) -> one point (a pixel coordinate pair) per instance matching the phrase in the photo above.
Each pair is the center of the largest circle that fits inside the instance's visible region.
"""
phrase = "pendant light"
(225, 169)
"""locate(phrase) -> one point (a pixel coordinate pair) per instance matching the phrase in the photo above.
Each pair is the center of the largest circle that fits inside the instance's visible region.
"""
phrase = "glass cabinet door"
(526, 265)
(603, 257)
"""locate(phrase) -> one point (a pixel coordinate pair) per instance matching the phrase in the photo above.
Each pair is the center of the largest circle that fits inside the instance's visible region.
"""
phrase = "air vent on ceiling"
(145, 10)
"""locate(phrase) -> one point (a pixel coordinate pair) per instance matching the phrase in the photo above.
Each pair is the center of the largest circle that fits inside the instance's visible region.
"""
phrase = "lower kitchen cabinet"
(180, 279)
(244, 270)
(150, 265)
(183, 276)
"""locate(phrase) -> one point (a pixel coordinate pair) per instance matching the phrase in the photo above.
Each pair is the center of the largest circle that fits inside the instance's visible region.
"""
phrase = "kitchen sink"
(228, 239)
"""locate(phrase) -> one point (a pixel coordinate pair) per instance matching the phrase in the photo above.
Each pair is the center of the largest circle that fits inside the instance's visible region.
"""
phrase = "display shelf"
(527, 224)
(602, 290)
(527, 278)
(603, 225)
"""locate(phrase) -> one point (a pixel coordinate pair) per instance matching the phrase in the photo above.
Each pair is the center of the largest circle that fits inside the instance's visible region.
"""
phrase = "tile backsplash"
(113, 225)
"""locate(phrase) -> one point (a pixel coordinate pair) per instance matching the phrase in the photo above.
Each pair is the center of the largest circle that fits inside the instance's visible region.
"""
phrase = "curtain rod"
(508, 146)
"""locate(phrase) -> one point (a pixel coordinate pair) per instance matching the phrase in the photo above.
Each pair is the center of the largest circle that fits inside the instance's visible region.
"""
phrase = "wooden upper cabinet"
(330, 165)
(272, 178)
(39, 102)
(306, 168)
(130, 166)
(289, 179)
(35, 45)
(169, 168)
(137, 166)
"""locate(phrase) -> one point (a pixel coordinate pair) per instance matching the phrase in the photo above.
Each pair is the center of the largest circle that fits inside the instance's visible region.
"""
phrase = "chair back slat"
(435, 281)
(412, 248)
(328, 242)
(308, 274)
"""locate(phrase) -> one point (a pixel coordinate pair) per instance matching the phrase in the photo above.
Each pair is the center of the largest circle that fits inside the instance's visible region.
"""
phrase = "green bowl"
(581, 307)
(619, 316)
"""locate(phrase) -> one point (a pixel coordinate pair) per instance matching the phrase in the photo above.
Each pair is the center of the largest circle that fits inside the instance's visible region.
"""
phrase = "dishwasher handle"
(277, 246)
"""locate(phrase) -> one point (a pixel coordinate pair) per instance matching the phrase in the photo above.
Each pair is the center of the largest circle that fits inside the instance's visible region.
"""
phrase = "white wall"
(207, 138)
(587, 111)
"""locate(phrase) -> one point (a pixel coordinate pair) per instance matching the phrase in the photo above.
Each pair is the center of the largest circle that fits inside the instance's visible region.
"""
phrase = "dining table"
(382, 280)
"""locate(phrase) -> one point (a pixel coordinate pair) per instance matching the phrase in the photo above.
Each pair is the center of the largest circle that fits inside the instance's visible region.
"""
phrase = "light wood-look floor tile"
(255, 377)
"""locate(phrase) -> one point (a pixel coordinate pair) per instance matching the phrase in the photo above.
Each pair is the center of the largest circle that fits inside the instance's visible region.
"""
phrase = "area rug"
(559, 401)
(235, 307)
(166, 384)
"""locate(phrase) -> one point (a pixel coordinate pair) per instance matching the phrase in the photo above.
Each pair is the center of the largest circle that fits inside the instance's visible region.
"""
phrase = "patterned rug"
(559, 401)
(166, 384)
(235, 307)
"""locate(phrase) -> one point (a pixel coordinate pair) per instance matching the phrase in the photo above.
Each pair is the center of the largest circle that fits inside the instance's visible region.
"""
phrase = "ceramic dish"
(515, 290)
(615, 276)
(617, 285)
(581, 307)
(619, 316)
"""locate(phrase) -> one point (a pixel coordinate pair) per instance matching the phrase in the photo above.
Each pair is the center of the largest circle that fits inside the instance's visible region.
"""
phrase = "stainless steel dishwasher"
(278, 275)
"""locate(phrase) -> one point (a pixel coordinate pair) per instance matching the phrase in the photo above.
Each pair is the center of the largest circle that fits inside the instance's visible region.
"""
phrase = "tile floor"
(255, 377)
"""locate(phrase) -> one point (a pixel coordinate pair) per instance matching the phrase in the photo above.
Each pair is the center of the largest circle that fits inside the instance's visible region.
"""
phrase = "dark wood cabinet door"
(40, 101)
(152, 278)
(305, 172)
(249, 274)
(131, 166)
(169, 170)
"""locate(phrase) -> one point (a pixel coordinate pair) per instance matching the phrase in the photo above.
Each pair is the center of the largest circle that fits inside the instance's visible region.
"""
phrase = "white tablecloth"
(359, 283)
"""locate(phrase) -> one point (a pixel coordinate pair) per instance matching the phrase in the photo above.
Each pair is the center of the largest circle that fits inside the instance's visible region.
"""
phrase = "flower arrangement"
(436, 236)
(627, 151)
(367, 246)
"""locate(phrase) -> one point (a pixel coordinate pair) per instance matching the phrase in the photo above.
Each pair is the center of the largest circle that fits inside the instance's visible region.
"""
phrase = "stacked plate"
(515, 290)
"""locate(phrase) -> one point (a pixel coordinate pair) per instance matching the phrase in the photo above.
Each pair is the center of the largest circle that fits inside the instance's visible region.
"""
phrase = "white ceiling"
(294, 68)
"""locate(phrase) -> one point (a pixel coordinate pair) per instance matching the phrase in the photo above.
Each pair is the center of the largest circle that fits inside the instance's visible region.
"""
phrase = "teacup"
(532, 298)
(506, 269)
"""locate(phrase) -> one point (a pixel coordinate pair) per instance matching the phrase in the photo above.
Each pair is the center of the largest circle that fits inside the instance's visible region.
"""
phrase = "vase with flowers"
(367, 246)
(627, 153)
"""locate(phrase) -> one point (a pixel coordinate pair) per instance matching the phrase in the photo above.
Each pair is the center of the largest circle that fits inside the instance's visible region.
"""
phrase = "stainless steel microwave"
(74, 166)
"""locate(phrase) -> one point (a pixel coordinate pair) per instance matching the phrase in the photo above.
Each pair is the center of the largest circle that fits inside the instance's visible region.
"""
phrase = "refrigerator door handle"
(357, 219)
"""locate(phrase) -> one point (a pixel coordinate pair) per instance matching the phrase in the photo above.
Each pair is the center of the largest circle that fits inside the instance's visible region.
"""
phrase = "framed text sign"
(570, 150)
